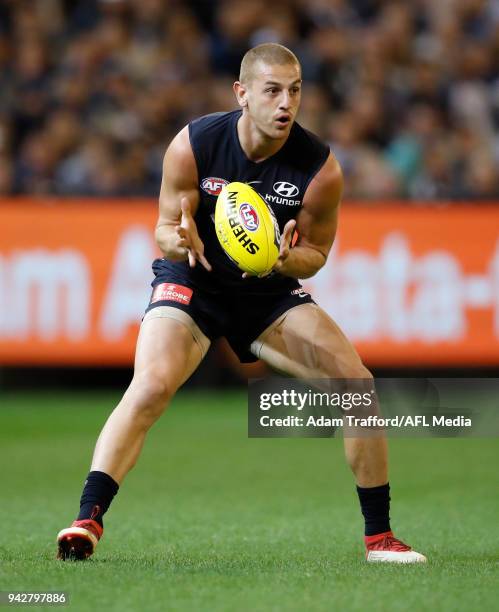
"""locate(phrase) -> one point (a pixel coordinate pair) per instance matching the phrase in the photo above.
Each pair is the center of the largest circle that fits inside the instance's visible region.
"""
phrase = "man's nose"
(285, 101)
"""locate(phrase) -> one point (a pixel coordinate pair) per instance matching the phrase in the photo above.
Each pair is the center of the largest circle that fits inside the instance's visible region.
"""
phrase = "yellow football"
(247, 228)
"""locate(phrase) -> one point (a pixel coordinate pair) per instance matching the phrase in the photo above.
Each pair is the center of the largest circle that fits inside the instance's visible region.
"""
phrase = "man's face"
(272, 98)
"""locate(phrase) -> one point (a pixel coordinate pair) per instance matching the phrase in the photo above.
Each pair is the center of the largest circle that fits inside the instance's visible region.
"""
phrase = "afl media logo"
(213, 185)
(285, 189)
(249, 218)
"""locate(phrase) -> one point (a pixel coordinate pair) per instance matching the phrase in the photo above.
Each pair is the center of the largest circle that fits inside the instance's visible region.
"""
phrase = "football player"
(199, 294)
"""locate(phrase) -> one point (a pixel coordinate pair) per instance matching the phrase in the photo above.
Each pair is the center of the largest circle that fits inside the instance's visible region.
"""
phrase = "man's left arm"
(316, 225)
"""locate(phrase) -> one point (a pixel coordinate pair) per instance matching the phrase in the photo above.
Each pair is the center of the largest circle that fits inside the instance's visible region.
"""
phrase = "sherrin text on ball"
(247, 228)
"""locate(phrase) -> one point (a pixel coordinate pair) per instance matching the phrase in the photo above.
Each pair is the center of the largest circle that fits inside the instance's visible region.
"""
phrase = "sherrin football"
(247, 228)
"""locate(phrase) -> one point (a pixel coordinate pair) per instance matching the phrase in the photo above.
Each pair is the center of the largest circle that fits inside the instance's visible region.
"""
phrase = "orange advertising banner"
(409, 285)
(416, 285)
(74, 280)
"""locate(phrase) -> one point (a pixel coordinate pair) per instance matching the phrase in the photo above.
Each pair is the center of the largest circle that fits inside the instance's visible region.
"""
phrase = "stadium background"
(407, 95)
(91, 92)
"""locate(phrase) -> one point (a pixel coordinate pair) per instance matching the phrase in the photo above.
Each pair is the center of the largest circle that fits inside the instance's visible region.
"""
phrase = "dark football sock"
(97, 495)
(375, 506)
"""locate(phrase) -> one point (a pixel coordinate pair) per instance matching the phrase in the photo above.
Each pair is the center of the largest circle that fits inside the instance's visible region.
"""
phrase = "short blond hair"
(267, 53)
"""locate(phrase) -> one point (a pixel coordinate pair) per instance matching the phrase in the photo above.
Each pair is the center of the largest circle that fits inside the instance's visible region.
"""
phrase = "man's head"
(269, 88)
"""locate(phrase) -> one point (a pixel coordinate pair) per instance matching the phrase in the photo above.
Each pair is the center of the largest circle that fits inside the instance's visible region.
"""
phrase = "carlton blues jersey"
(281, 180)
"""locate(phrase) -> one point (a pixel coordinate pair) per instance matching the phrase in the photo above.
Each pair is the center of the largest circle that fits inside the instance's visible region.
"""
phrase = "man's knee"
(151, 393)
(341, 365)
(357, 370)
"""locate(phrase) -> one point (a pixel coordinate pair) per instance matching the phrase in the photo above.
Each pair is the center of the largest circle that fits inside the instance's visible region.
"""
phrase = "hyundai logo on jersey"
(288, 190)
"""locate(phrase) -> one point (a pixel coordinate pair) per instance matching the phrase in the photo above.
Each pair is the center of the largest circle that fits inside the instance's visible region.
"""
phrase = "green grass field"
(210, 520)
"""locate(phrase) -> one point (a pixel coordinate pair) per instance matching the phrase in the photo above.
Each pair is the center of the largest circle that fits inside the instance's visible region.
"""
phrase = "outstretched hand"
(285, 244)
(188, 237)
(284, 248)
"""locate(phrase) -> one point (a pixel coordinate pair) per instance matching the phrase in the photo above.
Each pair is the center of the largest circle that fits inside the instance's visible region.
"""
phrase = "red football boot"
(78, 542)
(386, 548)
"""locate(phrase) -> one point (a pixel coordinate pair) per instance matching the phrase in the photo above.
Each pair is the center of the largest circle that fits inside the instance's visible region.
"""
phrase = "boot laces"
(390, 542)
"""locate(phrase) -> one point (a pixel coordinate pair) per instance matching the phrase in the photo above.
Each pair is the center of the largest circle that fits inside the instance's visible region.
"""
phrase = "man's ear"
(241, 94)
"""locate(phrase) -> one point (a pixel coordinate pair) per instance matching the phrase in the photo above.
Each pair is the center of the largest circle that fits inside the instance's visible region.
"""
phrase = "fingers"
(262, 275)
(283, 252)
(286, 236)
(188, 237)
(182, 240)
(194, 254)
(284, 245)
(204, 262)
(185, 206)
(288, 232)
(197, 249)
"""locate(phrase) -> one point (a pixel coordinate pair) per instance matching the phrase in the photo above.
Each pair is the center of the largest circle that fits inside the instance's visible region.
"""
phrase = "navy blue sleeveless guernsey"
(281, 180)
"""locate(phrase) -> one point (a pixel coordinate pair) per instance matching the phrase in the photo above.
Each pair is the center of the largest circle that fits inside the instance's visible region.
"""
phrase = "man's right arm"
(176, 232)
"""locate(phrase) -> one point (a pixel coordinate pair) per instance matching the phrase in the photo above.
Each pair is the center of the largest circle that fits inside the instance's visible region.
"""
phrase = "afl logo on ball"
(213, 185)
(249, 217)
(283, 188)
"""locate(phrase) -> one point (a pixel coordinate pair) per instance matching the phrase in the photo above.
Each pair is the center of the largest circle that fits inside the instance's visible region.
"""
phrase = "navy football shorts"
(239, 317)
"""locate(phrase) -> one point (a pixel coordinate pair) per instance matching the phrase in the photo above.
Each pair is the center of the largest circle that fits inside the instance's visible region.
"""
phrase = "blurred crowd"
(405, 92)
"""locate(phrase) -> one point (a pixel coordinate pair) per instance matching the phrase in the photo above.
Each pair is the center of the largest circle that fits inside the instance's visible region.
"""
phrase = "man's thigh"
(306, 343)
(170, 345)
